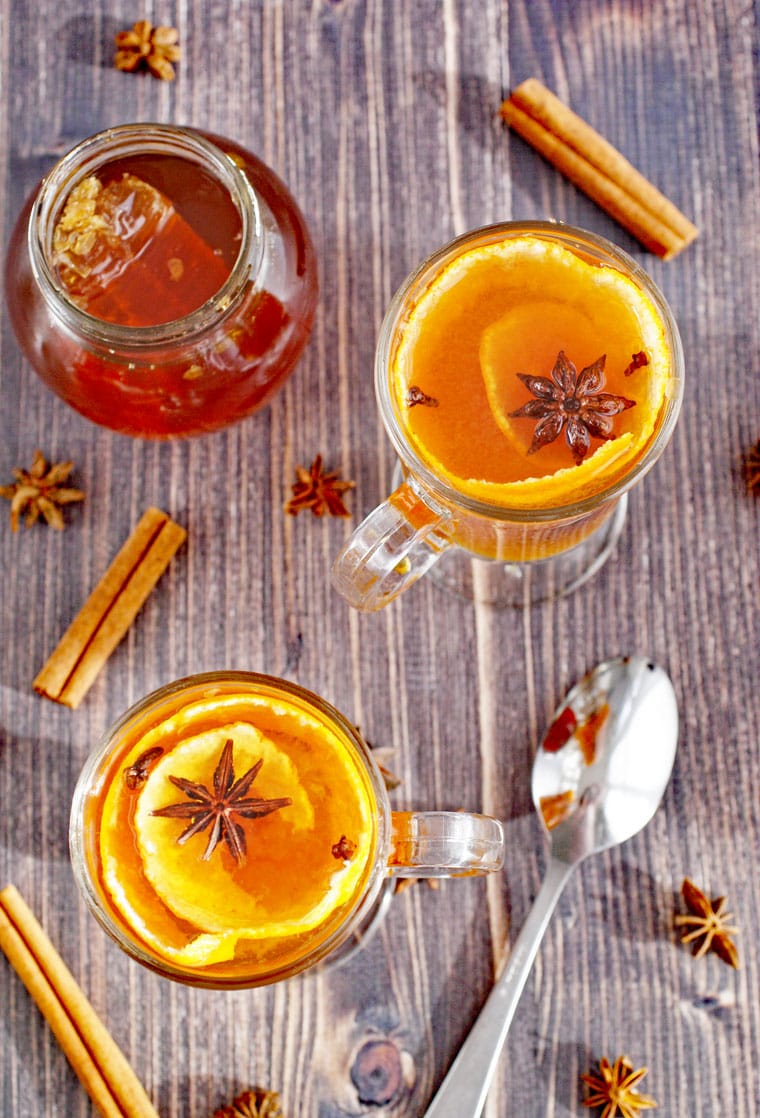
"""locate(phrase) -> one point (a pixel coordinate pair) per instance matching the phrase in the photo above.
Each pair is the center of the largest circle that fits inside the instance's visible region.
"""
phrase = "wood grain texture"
(383, 119)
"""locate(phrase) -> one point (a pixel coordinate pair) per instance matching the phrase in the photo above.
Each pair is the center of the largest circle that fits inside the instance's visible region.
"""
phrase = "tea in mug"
(528, 375)
(230, 832)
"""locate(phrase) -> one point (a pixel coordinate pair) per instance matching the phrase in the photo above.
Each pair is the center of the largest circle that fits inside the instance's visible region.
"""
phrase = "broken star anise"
(318, 491)
(217, 807)
(257, 1103)
(573, 401)
(612, 1087)
(40, 491)
(707, 922)
(156, 47)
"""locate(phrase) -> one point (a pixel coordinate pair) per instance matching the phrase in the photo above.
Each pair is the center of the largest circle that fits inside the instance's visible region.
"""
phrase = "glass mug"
(162, 281)
(488, 376)
(233, 829)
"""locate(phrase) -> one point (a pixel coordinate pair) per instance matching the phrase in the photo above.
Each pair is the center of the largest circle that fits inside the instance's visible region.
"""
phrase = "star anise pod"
(752, 468)
(217, 807)
(708, 922)
(612, 1087)
(40, 490)
(573, 401)
(156, 47)
(318, 491)
(257, 1103)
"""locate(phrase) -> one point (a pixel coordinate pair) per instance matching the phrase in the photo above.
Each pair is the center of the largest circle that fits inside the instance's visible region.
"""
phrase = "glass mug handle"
(391, 548)
(444, 844)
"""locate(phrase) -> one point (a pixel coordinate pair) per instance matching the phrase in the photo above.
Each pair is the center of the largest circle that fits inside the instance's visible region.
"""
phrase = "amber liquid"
(542, 318)
(217, 921)
(462, 343)
(194, 384)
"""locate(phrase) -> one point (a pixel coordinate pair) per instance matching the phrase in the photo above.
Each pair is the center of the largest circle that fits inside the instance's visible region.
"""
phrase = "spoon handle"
(463, 1091)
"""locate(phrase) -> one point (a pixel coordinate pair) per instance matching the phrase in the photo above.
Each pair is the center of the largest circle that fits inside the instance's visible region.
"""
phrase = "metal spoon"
(598, 778)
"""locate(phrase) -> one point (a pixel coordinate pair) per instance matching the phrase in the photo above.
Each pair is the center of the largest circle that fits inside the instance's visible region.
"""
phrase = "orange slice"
(192, 889)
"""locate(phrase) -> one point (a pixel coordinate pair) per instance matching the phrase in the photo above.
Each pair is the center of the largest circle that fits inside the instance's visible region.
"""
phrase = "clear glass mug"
(306, 803)
(498, 553)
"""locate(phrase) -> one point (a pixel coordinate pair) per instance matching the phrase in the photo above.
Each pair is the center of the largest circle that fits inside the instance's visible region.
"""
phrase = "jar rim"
(105, 147)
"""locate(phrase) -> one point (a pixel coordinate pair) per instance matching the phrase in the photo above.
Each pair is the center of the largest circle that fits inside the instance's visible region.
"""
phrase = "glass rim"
(421, 277)
(130, 942)
(105, 147)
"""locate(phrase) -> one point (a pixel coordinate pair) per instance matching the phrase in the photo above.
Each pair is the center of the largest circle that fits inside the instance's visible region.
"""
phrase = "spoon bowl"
(603, 784)
(598, 778)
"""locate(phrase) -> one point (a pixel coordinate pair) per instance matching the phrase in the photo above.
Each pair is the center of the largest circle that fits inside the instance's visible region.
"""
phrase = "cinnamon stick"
(596, 167)
(94, 1055)
(110, 609)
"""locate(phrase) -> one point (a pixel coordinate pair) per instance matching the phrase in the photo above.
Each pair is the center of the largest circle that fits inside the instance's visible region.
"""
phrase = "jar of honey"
(161, 281)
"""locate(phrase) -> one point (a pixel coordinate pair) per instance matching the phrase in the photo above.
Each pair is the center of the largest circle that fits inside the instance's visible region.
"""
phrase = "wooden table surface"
(382, 118)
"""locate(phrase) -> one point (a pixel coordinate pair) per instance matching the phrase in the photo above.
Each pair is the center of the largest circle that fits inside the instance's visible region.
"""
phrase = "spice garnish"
(415, 395)
(40, 490)
(101, 1066)
(598, 168)
(73, 665)
(613, 1088)
(156, 47)
(217, 807)
(318, 491)
(137, 773)
(256, 1103)
(344, 849)
(709, 922)
(573, 401)
(638, 361)
(752, 468)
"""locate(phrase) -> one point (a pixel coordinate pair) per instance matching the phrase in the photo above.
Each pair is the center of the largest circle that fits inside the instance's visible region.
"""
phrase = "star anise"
(752, 468)
(612, 1087)
(40, 490)
(257, 1103)
(709, 923)
(573, 401)
(318, 491)
(217, 807)
(156, 47)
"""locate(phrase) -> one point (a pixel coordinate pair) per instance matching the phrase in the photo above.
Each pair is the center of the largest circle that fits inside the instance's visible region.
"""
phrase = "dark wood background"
(382, 118)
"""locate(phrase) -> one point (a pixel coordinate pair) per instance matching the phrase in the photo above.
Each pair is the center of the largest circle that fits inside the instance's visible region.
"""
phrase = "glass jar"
(141, 357)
